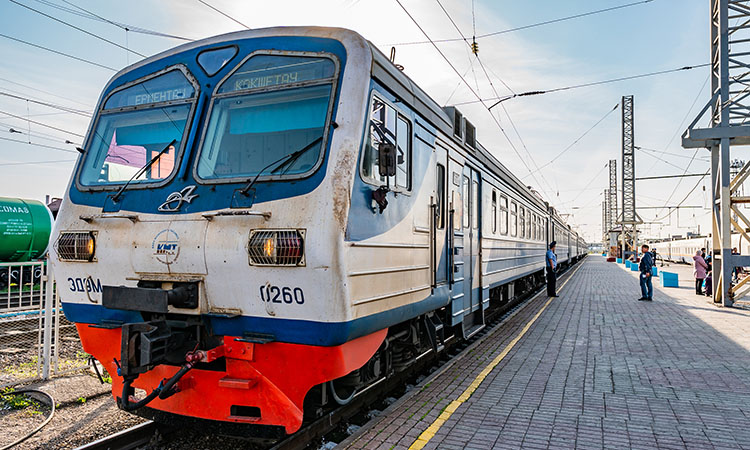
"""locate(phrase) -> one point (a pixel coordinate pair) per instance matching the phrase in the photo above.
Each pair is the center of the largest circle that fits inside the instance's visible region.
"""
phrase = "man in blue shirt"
(647, 262)
(551, 264)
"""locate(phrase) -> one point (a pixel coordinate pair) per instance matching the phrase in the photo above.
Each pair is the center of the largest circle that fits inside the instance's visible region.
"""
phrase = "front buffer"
(261, 384)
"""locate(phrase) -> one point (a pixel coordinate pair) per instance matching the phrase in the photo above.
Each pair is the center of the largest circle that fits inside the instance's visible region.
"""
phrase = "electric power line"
(45, 92)
(578, 139)
(497, 122)
(38, 145)
(58, 52)
(578, 86)
(40, 123)
(49, 105)
(37, 162)
(224, 14)
(93, 16)
(101, 38)
(524, 27)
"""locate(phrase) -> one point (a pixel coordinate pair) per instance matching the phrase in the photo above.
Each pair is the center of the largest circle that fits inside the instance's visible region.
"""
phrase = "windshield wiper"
(143, 169)
(280, 163)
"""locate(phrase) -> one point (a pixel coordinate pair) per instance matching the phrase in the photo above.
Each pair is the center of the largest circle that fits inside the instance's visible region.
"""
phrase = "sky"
(564, 138)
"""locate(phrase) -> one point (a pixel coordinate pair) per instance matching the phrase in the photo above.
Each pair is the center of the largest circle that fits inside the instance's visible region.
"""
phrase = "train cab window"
(386, 125)
(269, 119)
(440, 196)
(522, 222)
(503, 215)
(513, 218)
(467, 199)
(475, 205)
(136, 124)
(494, 211)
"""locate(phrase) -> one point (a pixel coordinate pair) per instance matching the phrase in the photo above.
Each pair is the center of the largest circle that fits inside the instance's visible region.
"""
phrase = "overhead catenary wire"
(49, 105)
(578, 139)
(58, 52)
(44, 92)
(224, 14)
(93, 16)
(101, 38)
(38, 145)
(499, 100)
(468, 86)
(533, 25)
(32, 163)
(40, 123)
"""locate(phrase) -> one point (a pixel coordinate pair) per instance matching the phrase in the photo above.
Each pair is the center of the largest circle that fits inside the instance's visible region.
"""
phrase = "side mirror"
(386, 159)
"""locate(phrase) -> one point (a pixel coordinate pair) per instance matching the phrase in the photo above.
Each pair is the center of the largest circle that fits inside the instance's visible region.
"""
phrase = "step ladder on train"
(435, 331)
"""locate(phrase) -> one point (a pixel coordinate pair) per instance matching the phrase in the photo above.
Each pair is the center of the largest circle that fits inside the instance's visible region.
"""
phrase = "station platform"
(592, 368)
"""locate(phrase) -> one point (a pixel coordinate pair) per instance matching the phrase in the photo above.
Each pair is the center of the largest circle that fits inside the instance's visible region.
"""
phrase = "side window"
(503, 215)
(533, 227)
(513, 218)
(528, 224)
(494, 211)
(403, 154)
(457, 206)
(386, 125)
(522, 221)
(440, 194)
(475, 205)
(467, 199)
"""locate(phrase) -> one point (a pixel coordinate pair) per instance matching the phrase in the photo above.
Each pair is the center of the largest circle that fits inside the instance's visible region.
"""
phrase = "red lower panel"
(273, 377)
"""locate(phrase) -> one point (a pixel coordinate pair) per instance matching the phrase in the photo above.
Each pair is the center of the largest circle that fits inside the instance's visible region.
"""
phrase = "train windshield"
(135, 124)
(269, 118)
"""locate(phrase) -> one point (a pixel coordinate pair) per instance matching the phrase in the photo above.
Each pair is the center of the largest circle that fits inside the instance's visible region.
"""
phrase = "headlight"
(76, 246)
(277, 247)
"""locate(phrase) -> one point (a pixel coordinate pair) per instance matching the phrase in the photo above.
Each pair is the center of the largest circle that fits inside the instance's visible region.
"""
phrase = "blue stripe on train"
(283, 330)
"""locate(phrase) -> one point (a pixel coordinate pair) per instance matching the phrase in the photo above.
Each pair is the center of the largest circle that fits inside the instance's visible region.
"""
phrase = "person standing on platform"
(700, 272)
(645, 266)
(551, 263)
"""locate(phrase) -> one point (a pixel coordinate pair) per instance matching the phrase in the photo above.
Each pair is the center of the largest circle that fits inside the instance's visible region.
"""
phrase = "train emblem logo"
(174, 201)
(166, 246)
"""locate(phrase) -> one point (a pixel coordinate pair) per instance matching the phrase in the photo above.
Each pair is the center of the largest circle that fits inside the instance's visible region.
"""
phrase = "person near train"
(700, 272)
(551, 264)
(645, 266)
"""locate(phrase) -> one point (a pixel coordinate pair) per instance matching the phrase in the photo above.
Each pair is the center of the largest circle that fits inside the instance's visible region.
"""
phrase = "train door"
(440, 245)
(472, 270)
(456, 269)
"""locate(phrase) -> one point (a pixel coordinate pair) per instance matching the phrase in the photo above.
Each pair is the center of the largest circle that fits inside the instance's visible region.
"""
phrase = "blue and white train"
(271, 219)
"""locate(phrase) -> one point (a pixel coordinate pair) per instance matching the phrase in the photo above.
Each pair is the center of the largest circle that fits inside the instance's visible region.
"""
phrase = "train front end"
(198, 248)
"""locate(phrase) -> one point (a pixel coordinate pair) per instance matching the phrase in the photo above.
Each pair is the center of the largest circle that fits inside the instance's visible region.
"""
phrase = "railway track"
(153, 435)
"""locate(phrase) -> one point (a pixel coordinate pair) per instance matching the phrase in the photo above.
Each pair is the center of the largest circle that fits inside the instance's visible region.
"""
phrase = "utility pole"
(612, 204)
(629, 220)
(729, 105)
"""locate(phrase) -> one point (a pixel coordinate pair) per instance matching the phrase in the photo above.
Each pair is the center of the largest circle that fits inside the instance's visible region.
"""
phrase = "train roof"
(383, 70)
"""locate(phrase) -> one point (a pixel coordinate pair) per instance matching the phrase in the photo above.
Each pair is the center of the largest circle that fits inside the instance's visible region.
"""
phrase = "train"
(683, 250)
(263, 223)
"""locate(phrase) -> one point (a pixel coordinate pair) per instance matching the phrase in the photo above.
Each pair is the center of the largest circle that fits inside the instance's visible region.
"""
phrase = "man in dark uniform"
(551, 264)
(647, 262)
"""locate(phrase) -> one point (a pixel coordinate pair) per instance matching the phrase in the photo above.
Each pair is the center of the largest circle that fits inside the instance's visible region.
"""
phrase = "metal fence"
(36, 340)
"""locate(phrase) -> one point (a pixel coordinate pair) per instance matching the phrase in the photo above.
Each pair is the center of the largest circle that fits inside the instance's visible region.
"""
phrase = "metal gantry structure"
(729, 127)
(613, 211)
(605, 220)
(628, 219)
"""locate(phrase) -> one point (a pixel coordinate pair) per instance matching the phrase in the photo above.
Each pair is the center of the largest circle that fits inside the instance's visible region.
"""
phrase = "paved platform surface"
(596, 369)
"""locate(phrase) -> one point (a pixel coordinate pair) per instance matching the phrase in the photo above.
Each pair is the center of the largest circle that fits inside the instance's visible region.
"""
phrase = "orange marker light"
(269, 246)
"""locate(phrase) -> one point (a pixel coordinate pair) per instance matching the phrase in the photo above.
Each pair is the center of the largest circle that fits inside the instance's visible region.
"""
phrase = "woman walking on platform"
(700, 272)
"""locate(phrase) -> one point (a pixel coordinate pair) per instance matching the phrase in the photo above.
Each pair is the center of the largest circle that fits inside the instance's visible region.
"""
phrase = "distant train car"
(683, 250)
(266, 222)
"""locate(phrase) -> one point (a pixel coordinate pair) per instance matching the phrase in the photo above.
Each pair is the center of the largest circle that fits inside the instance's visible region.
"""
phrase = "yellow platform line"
(429, 433)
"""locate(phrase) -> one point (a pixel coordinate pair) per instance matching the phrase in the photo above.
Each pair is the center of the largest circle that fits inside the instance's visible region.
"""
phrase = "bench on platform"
(654, 272)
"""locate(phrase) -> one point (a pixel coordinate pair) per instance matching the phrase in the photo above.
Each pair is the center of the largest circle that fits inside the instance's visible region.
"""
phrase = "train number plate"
(282, 294)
